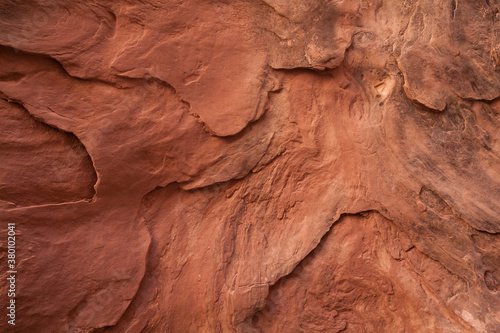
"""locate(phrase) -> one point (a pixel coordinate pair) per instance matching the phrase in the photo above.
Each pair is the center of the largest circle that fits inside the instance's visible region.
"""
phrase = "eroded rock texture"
(252, 166)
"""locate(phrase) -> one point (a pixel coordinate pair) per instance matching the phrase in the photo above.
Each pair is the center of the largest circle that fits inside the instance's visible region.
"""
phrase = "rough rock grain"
(252, 166)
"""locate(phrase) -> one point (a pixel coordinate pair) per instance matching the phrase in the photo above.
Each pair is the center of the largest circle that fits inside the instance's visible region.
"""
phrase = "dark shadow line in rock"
(311, 253)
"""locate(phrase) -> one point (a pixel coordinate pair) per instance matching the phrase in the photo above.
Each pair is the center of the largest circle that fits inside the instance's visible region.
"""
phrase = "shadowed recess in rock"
(40, 164)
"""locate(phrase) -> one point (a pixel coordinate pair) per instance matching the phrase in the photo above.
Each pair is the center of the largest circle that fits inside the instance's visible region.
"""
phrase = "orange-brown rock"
(251, 166)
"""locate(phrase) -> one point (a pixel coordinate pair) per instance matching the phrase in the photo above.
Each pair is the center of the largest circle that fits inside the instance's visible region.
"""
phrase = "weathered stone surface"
(252, 166)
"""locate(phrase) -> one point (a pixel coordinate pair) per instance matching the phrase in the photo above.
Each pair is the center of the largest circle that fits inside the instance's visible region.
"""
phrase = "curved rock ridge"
(251, 166)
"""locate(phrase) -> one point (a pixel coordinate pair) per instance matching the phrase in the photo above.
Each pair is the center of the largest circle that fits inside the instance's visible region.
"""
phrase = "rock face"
(251, 166)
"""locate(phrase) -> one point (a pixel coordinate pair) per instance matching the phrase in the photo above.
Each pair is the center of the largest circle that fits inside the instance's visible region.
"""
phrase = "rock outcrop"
(251, 166)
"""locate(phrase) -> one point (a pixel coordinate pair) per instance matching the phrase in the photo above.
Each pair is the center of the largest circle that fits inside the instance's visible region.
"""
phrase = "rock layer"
(253, 166)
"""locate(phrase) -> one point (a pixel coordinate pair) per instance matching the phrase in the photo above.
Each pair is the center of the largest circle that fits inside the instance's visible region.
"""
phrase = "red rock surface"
(251, 166)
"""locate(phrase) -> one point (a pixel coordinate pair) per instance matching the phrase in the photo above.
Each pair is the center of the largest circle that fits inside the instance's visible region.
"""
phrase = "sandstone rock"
(253, 166)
